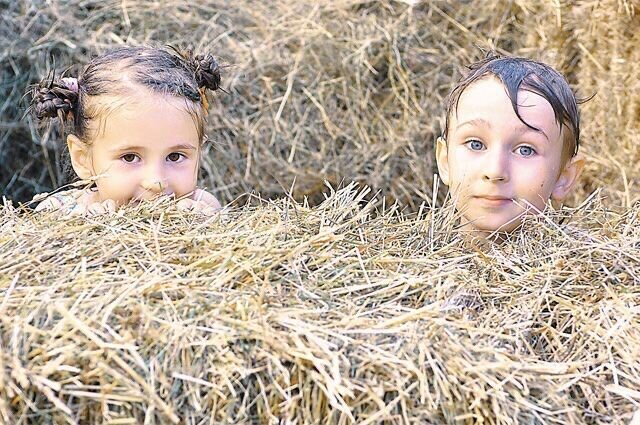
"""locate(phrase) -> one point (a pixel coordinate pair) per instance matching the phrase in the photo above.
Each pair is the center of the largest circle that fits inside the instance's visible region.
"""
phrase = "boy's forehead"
(486, 101)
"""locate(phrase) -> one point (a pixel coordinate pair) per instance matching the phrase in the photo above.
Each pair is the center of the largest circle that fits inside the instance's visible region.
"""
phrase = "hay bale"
(595, 44)
(330, 90)
(338, 313)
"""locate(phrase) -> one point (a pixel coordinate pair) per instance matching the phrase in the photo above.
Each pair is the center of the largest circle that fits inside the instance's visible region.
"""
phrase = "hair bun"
(53, 99)
(207, 71)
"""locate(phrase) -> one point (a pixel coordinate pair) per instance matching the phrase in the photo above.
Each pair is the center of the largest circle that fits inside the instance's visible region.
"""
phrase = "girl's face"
(144, 148)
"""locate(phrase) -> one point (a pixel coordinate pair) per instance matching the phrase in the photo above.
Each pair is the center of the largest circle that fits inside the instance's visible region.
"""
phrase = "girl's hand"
(98, 208)
(200, 201)
(89, 204)
(76, 203)
(52, 203)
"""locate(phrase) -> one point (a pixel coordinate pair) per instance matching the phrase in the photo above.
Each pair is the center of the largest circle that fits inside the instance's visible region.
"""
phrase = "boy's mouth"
(494, 201)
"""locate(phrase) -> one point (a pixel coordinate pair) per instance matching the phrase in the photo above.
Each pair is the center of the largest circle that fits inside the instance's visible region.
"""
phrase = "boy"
(510, 143)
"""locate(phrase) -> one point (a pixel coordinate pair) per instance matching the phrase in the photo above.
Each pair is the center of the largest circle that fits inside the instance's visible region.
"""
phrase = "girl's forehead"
(135, 95)
(161, 118)
(143, 111)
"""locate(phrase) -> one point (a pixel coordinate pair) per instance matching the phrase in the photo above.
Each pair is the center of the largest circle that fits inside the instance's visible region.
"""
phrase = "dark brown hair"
(116, 73)
(525, 74)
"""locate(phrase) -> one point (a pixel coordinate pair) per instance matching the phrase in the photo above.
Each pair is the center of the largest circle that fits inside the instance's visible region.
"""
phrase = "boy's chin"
(485, 226)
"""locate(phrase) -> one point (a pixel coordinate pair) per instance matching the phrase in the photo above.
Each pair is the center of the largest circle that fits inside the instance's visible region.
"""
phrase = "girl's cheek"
(121, 166)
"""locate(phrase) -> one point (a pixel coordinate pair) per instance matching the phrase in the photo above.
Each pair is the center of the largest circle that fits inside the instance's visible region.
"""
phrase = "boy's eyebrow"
(475, 121)
(525, 129)
(484, 123)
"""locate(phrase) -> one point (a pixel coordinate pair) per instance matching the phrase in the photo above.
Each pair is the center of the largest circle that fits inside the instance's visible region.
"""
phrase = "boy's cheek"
(458, 183)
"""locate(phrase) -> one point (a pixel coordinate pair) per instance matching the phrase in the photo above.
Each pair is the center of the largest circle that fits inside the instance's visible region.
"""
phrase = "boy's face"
(146, 148)
(495, 165)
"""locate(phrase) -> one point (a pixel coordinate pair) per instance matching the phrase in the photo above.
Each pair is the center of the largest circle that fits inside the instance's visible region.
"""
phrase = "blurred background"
(331, 90)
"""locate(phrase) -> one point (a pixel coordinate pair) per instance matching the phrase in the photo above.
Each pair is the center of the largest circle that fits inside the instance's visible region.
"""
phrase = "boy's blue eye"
(475, 145)
(174, 157)
(526, 150)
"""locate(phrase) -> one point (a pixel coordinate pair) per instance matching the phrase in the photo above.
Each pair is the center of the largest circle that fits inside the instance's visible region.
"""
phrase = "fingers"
(202, 195)
(186, 204)
(78, 210)
(110, 206)
(201, 207)
(94, 209)
(209, 210)
(52, 203)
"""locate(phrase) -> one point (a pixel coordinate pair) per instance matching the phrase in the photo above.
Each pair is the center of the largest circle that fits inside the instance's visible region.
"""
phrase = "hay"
(595, 44)
(340, 313)
(337, 313)
(331, 90)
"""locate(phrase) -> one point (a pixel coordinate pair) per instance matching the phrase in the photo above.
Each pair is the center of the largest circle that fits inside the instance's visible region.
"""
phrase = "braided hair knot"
(54, 99)
(207, 71)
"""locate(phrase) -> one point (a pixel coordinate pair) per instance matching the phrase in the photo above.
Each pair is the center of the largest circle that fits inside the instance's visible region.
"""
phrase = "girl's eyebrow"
(182, 146)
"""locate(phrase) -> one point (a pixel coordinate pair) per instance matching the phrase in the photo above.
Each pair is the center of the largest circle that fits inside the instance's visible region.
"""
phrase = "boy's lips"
(494, 201)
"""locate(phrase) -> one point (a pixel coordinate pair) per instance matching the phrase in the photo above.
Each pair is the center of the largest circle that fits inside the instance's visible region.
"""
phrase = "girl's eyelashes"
(175, 157)
(474, 145)
(130, 158)
(525, 151)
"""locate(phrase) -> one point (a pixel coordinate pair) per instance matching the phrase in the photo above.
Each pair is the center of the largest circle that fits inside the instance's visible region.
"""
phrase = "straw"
(340, 313)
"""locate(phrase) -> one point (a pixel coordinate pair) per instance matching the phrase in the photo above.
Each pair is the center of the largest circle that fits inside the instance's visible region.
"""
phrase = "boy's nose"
(496, 168)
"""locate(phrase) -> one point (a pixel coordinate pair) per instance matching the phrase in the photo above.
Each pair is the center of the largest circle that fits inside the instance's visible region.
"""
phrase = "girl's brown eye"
(174, 157)
(129, 157)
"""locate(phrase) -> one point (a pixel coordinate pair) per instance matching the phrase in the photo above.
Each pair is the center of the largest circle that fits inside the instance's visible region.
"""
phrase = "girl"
(138, 128)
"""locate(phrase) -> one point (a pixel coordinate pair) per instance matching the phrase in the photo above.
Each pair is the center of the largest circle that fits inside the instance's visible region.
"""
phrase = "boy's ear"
(80, 157)
(442, 159)
(568, 178)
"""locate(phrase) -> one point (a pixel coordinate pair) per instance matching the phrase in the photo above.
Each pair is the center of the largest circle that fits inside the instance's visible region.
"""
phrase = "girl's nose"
(154, 181)
(157, 186)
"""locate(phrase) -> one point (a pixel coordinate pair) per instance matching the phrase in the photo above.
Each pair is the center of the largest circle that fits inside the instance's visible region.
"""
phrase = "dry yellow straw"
(337, 313)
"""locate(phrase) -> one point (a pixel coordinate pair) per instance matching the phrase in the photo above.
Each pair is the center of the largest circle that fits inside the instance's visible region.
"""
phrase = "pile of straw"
(340, 313)
(331, 90)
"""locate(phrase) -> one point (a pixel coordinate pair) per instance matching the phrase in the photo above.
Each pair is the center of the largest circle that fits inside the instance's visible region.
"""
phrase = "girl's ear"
(568, 178)
(442, 159)
(80, 157)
